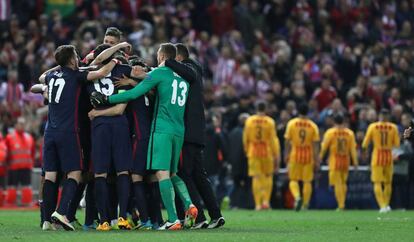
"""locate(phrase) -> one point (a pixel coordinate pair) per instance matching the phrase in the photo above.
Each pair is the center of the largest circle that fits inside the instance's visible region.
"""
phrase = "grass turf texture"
(240, 226)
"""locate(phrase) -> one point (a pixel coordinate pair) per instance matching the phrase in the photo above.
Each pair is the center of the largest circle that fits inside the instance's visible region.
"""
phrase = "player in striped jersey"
(384, 137)
(340, 141)
(301, 155)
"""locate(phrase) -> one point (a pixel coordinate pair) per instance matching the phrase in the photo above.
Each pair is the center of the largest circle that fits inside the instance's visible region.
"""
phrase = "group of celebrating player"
(302, 156)
(127, 155)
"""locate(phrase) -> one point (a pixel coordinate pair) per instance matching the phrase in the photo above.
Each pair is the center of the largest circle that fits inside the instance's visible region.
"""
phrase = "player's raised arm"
(109, 52)
(43, 76)
(182, 69)
(103, 71)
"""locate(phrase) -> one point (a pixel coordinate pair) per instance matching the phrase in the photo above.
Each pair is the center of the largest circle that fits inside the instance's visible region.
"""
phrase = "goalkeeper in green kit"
(167, 132)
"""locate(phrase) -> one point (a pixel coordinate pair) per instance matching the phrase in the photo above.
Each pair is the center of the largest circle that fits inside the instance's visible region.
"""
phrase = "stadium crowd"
(339, 56)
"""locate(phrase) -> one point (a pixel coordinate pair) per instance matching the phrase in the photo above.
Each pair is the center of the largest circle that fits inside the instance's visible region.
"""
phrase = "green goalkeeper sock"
(180, 186)
(168, 196)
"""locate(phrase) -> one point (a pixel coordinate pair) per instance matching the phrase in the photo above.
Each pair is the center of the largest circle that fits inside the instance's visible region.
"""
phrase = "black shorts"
(139, 156)
(111, 145)
(62, 152)
(21, 177)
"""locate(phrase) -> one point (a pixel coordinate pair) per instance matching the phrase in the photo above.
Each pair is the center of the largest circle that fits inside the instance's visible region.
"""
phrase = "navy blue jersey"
(106, 86)
(64, 91)
(139, 112)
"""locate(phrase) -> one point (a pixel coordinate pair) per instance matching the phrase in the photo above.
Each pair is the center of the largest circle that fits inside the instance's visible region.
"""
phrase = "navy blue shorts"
(62, 152)
(111, 144)
(139, 156)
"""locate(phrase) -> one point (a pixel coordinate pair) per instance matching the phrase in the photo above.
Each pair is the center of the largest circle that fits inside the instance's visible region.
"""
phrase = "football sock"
(140, 200)
(379, 194)
(267, 189)
(90, 211)
(27, 195)
(50, 194)
(113, 198)
(123, 190)
(180, 186)
(168, 196)
(387, 193)
(294, 189)
(339, 195)
(307, 193)
(155, 201)
(101, 198)
(68, 193)
(256, 189)
(74, 204)
(11, 196)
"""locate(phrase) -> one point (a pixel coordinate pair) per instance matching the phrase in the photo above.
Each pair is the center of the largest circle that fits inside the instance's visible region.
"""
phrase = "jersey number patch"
(104, 86)
(183, 92)
(56, 87)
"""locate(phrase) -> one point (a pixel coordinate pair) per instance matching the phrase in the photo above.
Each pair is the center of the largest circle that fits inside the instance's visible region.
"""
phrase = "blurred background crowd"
(348, 56)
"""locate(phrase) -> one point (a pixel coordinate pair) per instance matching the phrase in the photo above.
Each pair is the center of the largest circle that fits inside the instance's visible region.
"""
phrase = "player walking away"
(301, 155)
(167, 131)
(191, 167)
(262, 149)
(61, 141)
(21, 152)
(341, 144)
(384, 137)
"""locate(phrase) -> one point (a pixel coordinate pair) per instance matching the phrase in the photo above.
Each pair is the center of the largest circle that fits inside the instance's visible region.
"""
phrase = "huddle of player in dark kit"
(103, 149)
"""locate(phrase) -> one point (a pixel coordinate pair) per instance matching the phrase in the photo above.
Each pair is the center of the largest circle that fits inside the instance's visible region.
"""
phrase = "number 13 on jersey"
(183, 88)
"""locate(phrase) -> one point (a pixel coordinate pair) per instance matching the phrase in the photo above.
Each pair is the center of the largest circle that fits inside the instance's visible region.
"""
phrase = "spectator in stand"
(12, 91)
(325, 94)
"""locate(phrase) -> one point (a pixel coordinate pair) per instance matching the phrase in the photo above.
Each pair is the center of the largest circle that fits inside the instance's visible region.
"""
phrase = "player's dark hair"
(112, 31)
(63, 54)
(169, 50)
(182, 50)
(303, 109)
(261, 106)
(339, 118)
(99, 49)
(139, 62)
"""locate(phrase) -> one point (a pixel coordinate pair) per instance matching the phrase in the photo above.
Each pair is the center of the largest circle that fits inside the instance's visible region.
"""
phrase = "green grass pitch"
(240, 225)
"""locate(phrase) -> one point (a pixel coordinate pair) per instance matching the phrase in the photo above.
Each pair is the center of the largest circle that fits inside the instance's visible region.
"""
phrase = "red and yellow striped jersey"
(384, 137)
(302, 133)
(259, 138)
(342, 147)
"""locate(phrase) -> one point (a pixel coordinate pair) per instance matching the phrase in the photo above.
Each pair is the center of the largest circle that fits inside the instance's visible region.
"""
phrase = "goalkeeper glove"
(98, 99)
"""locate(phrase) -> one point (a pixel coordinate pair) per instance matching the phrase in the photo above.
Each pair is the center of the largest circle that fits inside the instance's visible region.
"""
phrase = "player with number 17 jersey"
(62, 128)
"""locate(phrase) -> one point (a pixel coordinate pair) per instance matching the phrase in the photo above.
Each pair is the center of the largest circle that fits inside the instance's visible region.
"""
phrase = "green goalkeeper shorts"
(164, 152)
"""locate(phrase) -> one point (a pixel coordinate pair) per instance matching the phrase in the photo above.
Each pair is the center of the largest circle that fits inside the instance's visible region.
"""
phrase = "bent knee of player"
(100, 175)
(51, 176)
(75, 175)
(137, 178)
(122, 173)
(162, 175)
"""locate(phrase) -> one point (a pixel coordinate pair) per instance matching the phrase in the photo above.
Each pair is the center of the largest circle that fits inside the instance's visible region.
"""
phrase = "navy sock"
(113, 199)
(90, 211)
(50, 194)
(74, 204)
(141, 200)
(123, 189)
(68, 193)
(101, 198)
(155, 201)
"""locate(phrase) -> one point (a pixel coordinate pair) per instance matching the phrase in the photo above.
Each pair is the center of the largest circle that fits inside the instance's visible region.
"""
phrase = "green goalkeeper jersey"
(171, 97)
